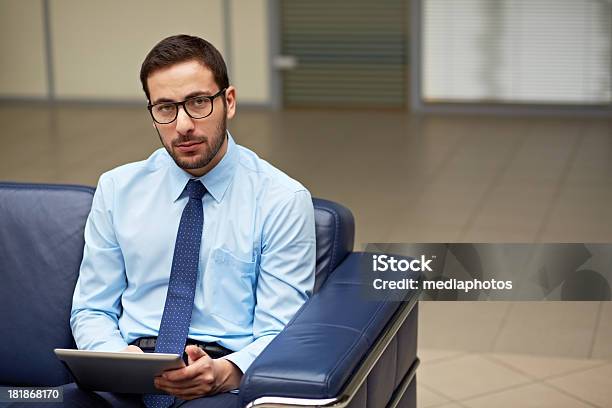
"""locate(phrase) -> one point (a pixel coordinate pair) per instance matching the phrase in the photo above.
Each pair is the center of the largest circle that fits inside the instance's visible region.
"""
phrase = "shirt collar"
(216, 181)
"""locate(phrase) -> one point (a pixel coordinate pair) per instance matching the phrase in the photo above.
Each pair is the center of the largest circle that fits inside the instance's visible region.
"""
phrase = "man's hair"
(181, 48)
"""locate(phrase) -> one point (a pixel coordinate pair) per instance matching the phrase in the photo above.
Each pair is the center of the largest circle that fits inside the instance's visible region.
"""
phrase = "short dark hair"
(181, 48)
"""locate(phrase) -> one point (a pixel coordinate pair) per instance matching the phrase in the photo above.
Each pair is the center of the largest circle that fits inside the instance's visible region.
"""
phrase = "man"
(203, 243)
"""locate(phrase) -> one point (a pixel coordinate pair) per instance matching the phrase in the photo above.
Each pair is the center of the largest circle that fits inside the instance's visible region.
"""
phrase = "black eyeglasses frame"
(182, 103)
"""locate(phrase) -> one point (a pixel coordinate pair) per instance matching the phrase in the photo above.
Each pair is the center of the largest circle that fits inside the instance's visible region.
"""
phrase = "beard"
(214, 142)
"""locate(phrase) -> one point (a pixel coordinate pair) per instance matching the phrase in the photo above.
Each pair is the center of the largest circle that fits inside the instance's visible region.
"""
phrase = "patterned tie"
(174, 326)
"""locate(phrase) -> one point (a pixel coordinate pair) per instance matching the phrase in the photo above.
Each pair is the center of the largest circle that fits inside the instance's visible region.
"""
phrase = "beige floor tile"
(449, 405)
(427, 398)
(469, 326)
(498, 233)
(543, 367)
(572, 198)
(593, 162)
(516, 219)
(602, 346)
(16, 158)
(469, 376)
(367, 232)
(592, 169)
(515, 207)
(563, 329)
(535, 168)
(432, 356)
(466, 168)
(431, 213)
(409, 232)
(372, 221)
(576, 231)
(529, 396)
(570, 221)
(594, 385)
(542, 157)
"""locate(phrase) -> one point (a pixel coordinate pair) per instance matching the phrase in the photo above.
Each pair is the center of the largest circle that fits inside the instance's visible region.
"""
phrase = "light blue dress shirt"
(257, 257)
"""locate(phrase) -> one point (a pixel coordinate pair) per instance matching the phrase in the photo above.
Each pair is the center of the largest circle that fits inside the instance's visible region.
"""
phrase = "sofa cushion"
(41, 246)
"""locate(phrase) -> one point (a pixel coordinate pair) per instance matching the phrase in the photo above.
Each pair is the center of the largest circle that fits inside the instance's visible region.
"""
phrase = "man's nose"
(184, 123)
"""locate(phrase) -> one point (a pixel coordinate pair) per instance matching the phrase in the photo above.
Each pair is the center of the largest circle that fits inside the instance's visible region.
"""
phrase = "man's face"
(196, 145)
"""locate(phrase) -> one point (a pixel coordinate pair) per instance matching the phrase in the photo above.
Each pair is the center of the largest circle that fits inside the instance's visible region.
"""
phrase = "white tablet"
(118, 371)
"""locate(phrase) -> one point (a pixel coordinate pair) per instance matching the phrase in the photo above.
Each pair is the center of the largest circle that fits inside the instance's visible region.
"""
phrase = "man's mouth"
(188, 147)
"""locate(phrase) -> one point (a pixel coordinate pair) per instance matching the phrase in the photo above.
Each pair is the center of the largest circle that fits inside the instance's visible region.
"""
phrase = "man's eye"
(199, 101)
(165, 108)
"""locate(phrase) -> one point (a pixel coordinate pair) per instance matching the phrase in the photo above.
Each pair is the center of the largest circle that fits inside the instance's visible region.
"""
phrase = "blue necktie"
(175, 321)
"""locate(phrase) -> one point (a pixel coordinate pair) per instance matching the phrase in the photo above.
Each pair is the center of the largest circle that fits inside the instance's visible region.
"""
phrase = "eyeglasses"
(197, 107)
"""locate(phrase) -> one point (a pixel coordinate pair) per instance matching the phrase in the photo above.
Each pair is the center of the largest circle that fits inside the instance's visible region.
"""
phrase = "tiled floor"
(410, 179)
(474, 380)
(515, 354)
(406, 178)
(580, 330)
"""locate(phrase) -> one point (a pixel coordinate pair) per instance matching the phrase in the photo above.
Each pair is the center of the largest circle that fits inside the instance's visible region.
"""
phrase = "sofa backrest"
(41, 246)
(335, 232)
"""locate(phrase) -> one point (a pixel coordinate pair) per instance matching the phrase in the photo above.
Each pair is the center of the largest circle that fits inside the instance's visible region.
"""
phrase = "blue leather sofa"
(339, 350)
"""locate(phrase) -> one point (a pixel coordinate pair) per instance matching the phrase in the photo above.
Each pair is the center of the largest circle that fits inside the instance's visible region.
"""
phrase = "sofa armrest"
(323, 346)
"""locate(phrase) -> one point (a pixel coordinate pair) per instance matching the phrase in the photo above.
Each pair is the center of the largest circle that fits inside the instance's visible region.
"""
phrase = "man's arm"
(96, 304)
(287, 272)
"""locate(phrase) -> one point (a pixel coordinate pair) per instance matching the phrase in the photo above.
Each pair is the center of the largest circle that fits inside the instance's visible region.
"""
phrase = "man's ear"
(230, 99)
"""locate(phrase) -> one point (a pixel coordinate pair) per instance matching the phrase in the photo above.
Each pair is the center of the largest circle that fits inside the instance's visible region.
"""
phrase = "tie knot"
(195, 189)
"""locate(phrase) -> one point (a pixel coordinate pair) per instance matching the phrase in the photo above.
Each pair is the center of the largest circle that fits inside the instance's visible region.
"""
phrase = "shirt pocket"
(232, 284)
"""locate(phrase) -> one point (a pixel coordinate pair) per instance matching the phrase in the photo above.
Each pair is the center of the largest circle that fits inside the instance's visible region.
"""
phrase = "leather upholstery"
(319, 350)
(335, 231)
(41, 246)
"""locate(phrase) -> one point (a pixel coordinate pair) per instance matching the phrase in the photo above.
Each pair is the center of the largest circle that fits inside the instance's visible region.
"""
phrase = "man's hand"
(202, 376)
(132, 349)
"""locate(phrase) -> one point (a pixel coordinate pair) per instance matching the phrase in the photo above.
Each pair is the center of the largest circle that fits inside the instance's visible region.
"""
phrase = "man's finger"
(181, 374)
(198, 367)
(182, 385)
(194, 353)
(133, 349)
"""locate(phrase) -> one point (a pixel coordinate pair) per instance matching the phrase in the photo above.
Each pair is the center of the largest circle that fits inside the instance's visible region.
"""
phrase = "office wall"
(250, 50)
(22, 67)
(97, 47)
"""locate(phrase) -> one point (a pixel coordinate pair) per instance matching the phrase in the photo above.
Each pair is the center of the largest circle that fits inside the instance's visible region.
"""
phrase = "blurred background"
(432, 120)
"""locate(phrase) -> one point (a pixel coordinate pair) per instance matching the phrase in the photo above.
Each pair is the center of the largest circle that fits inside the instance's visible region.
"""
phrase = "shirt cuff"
(245, 357)
(241, 360)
